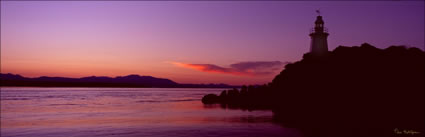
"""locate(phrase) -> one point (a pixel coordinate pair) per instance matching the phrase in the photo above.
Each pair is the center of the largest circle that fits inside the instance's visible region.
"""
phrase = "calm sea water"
(116, 112)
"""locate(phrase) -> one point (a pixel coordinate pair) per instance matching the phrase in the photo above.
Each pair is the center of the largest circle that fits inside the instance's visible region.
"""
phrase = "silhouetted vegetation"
(351, 91)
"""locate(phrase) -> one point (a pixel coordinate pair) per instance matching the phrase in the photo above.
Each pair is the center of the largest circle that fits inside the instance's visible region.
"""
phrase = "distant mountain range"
(95, 81)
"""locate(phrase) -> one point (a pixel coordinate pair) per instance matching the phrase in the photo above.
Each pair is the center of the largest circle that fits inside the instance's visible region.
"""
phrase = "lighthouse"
(319, 37)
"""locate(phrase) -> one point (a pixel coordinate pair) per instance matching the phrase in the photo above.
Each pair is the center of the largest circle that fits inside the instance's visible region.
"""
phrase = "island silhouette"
(133, 81)
(358, 91)
(350, 91)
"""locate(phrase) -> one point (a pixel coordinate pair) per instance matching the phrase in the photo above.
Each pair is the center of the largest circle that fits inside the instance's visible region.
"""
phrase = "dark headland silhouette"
(351, 91)
(93, 81)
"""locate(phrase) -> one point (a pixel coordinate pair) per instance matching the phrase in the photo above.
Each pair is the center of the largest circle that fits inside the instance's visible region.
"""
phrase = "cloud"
(254, 68)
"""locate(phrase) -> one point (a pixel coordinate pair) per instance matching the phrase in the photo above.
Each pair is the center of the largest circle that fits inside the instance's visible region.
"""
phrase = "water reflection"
(126, 112)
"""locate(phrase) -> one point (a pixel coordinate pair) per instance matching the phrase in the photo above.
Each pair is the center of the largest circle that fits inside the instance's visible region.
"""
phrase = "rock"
(233, 93)
(223, 94)
(210, 99)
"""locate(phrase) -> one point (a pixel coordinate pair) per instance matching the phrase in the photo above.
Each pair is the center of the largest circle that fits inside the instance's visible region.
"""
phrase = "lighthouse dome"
(319, 20)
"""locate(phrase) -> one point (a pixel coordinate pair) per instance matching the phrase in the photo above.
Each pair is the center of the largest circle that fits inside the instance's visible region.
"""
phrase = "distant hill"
(94, 81)
(359, 91)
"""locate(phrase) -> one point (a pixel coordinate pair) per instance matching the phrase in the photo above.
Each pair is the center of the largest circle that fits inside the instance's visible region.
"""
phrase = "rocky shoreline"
(352, 91)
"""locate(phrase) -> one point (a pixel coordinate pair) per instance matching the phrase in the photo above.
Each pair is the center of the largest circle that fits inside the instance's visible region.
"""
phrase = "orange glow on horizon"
(203, 68)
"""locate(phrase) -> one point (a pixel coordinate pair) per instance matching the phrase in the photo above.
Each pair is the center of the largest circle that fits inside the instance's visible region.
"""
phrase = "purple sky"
(110, 38)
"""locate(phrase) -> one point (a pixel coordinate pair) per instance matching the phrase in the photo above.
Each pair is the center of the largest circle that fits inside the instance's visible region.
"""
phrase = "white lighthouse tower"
(319, 37)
